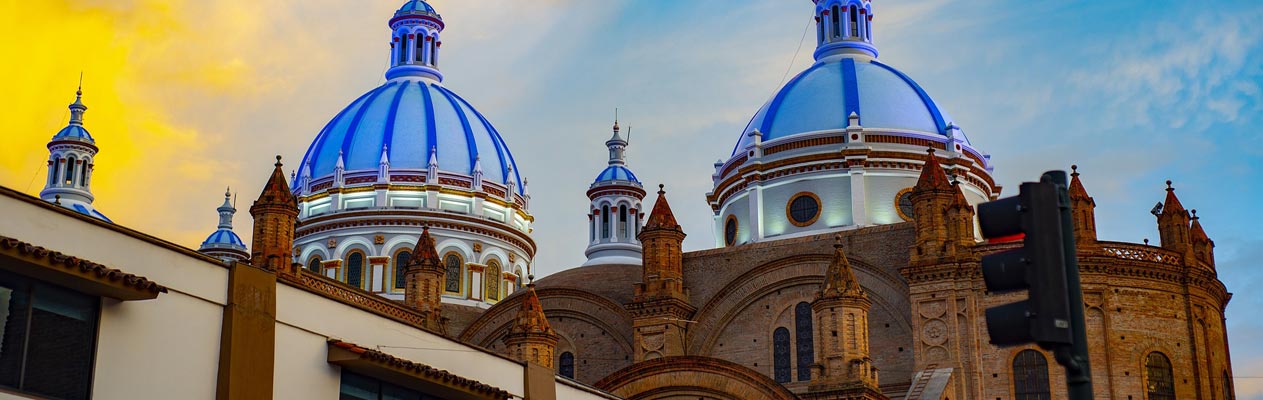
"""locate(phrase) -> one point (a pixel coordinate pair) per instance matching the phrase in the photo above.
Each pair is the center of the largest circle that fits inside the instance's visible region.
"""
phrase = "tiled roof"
(81, 268)
(421, 370)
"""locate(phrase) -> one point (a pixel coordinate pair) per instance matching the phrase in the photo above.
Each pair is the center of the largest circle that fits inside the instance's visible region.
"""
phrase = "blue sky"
(1134, 92)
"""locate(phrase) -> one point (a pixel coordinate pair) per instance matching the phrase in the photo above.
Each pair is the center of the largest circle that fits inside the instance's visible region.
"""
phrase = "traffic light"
(1039, 266)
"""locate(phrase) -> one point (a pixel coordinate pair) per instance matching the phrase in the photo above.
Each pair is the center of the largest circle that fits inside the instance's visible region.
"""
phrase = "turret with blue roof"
(224, 243)
(614, 217)
(72, 152)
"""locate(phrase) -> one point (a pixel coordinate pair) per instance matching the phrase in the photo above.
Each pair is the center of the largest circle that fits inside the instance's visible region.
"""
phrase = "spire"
(1196, 231)
(531, 338)
(383, 166)
(338, 169)
(1171, 205)
(423, 282)
(478, 173)
(617, 145)
(414, 42)
(432, 169)
(839, 280)
(72, 153)
(844, 29)
(425, 253)
(275, 214)
(1077, 192)
(530, 315)
(305, 178)
(932, 175)
(77, 108)
(661, 218)
(1082, 208)
(226, 210)
(1173, 224)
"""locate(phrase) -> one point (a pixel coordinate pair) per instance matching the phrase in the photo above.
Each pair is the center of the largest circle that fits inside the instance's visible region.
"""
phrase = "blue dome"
(822, 97)
(91, 212)
(411, 116)
(616, 173)
(415, 7)
(223, 237)
(73, 132)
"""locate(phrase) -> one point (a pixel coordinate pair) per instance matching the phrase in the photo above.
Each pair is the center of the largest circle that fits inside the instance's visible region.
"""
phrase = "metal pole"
(1073, 357)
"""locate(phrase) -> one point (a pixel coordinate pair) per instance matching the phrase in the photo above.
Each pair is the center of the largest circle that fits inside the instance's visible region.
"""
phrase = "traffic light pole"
(1073, 357)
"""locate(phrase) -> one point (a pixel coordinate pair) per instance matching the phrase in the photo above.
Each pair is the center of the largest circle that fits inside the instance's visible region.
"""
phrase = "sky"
(187, 97)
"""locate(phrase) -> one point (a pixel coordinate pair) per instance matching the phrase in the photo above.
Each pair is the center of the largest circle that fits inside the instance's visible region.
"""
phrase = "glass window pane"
(358, 387)
(453, 276)
(401, 263)
(63, 338)
(14, 306)
(392, 392)
(566, 367)
(802, 333)
(354, 269)
(780, 355)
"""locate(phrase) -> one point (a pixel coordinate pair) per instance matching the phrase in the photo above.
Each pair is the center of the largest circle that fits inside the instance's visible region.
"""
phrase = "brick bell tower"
(1083, 210)
(531, 339)
(843, 369)
(275, 213)
(423, 282)
(944, 219)
(660, 309)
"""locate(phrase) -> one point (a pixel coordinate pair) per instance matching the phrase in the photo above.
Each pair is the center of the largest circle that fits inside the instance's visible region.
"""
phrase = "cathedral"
(845, 266)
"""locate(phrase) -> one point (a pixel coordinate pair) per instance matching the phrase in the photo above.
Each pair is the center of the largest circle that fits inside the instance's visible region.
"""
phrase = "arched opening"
(403, 48)
(780, 355)
(1159, 379)
(622, 222)
(855, 24)
(605, 222)
(355, 268)
(565, 366)
(730, 231)
(419, 49)
(453, 263)
(820, 21)
(492, 287)
(837, 23)
(802, 334)
(1030, 376)
(434, 51)
(52, 174)
(313, 265)
(83, 174)
(591, 228)
(402, 259)
(70, 170)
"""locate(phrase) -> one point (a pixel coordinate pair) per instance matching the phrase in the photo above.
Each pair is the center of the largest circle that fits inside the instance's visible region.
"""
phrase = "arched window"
(402, 259)
(1159, 380)
(780, 355)
(566, 366)
(1228, 394)
(70, 170)
(52, 176)
(730, 231)
(868, 29)
(605, 222)
(493, 280)
(591, 229)
(802, 334)
(420, 49)
(434, 51)
(403, 48)
(453, 276)
(83, 173)
(855, 22)
(1030, 376)
(355, 269)
(622, 221)
(821, 19)
(314, 265)
(837, 23)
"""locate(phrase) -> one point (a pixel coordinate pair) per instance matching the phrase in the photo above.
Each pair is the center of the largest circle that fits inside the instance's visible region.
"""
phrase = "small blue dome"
(74, 132)
(824, 96)
(411, 116)
(416, 7)
(616, 173)
(223, 237)
(91, 212)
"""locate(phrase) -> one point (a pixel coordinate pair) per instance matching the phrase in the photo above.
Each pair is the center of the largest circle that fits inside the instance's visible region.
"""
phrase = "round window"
(730, 231)
(903, 204)
(803, 209)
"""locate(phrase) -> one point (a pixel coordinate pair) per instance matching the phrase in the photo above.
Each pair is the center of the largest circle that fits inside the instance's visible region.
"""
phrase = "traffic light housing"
(1038, 266)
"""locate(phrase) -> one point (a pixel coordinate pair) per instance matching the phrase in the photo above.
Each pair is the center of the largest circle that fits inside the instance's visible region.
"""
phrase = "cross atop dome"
(844, 27)
(414, 43)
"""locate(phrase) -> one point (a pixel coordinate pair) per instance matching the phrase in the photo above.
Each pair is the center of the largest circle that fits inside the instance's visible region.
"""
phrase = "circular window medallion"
(903, 204)
(803, 209)
(730, 230)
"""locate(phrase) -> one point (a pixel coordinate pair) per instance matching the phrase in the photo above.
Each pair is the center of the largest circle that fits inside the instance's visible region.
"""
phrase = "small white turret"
(70, 165)
(614, 218)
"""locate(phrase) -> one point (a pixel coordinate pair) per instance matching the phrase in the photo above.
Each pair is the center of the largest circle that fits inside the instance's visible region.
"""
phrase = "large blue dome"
(411, 116)
(223, 237)
(822, 97)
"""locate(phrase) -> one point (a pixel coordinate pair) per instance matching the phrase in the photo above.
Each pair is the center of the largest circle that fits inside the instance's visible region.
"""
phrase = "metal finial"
(57, 199)
(79, 91)
(662, 189)
(1169, 188)
(278, 160)
(1146, 241)
(1194, 212)
(1074, 170)
(837, 241)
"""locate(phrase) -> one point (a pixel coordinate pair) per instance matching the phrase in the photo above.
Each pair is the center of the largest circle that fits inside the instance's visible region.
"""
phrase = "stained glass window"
(401, 265)
(780, 355)
(803, 209)
(730, 231)
(355, 269)
(314, 265)
(453, 277)
(566, 366)
(1159, 380)
(904, 203)
(802, 333)
(1030, 376)
(493, 280)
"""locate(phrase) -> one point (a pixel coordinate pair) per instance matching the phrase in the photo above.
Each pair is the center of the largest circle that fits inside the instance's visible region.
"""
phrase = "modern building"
(396, 264)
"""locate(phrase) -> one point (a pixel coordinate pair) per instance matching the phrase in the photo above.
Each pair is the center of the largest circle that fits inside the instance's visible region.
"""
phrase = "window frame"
(1033, 392)
(804, 341)
(782, 354)
(346, 271)
(399, 281)
(460, 271)
(736, 230)
(561, 364)
(789, 209)
(32, 285)
(491, 280)
(319, 265)
(1170, 376)
(899, 206)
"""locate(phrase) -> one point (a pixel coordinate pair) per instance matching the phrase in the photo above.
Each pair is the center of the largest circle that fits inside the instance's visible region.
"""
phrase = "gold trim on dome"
(899, 209)
(814, 218)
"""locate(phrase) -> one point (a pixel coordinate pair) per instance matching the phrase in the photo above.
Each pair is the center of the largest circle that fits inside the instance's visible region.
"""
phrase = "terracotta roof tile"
(423, 370)
(661, 217)
(84, 268)
(932, 175)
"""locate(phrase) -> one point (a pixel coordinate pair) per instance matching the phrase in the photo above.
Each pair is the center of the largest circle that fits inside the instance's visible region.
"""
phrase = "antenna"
(629, 134)
(80, 81)
(615, 115)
